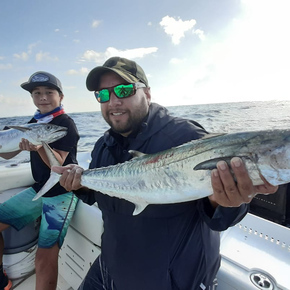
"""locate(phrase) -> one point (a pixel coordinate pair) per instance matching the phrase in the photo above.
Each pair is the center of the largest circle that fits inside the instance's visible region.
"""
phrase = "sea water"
(215, 118)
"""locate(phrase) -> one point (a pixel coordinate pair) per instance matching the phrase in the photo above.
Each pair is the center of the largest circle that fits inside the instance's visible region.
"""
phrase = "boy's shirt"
(68, 143)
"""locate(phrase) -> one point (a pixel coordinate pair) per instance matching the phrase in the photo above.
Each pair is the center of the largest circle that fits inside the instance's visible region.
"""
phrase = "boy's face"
(46, 99)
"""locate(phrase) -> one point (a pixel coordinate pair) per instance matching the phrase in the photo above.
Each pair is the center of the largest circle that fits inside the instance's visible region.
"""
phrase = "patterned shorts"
(56, 213)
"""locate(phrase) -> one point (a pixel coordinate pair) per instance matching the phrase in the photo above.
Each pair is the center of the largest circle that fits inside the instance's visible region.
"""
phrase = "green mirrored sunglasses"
(120, 91)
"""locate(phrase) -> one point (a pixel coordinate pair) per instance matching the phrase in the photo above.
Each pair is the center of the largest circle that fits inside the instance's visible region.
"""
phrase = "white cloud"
(199, 33)
(130, 53)
(13, 101)
(100, 57)
(96, 23)
(82, 71)
(249, 60)
(22, 56)
(15, 105)
(176, 28)
(5, 66)
(56, 30)
(31, 46)
(5, 100)
(43, 56)
(175, 61)
(92, 56)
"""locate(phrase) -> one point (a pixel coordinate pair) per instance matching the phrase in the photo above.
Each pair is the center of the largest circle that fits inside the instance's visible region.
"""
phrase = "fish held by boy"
(183, 173)
(34, 133)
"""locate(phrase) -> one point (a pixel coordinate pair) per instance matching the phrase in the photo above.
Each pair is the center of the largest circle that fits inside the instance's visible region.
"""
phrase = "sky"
(192, 51)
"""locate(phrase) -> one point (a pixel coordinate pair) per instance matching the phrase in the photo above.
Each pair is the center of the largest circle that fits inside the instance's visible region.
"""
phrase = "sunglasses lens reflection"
(124, 91)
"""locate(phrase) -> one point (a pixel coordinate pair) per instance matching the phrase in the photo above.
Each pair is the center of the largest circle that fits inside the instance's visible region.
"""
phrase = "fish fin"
(211, 163)
(20, 128)
(251, 166)
(50, 155)
(139, 208)
(53, 179)
(135, 153)
(212, 135)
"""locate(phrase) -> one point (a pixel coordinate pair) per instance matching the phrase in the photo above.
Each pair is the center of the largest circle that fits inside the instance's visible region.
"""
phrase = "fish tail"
(53, 179)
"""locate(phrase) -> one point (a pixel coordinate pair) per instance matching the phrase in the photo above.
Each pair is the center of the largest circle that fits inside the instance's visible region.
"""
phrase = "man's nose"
(114, 100)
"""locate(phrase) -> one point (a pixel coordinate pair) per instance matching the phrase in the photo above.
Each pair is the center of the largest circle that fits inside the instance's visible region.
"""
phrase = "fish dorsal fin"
(212, 135)
(20, 128)
(135, 153)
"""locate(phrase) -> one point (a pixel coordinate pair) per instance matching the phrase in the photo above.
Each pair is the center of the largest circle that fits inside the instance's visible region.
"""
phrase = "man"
(58, 205)
(165, 247)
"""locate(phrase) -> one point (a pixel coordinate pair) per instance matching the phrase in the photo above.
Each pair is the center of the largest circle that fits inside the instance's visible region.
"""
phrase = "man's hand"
(70, 176)
(230, 193)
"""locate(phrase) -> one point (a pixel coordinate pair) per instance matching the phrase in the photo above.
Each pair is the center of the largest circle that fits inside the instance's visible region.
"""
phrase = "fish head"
(42, 132)
(47, 132)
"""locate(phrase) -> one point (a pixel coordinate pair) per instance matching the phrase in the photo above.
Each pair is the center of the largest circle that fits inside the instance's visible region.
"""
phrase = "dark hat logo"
(39, 78)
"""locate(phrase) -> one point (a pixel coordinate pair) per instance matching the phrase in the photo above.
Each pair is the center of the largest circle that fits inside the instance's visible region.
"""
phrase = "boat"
(255, 252)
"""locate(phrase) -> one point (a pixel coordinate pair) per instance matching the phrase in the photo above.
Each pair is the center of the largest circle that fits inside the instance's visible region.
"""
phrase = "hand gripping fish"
(183, 173)
(34, 133)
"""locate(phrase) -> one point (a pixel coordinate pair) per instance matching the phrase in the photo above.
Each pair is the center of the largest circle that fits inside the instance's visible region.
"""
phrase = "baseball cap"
(127, 69)
(42, 78)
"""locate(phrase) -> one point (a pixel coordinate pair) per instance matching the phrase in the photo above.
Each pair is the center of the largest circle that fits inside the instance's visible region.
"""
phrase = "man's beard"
(133, 123)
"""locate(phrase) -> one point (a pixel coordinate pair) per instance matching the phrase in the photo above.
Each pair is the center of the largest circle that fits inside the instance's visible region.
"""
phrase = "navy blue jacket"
(172, 246)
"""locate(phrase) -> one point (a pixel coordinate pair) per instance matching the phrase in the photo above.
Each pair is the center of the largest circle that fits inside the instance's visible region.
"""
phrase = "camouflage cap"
(127, 69)
(42, 78)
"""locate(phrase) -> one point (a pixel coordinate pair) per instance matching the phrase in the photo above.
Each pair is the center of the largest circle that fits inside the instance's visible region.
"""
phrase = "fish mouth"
(61, 130)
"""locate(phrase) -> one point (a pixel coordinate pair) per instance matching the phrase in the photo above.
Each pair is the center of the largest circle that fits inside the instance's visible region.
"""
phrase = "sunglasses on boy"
(120, 91)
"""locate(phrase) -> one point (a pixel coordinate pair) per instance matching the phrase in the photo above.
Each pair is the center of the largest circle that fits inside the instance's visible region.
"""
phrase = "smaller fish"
(34, 133)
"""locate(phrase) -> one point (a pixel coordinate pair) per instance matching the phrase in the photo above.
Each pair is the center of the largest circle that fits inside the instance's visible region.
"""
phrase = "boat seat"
(87, 220)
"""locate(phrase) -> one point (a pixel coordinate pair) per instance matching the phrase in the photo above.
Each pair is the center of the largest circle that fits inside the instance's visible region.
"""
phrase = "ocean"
(215, 118)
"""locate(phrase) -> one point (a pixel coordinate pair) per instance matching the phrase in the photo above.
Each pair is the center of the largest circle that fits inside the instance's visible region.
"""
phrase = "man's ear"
(148, 95)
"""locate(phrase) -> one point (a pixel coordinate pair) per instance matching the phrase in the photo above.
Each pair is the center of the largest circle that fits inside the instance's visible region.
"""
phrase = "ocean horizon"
(215, 118)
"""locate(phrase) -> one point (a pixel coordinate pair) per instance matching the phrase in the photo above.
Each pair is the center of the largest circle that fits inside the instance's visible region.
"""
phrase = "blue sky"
(193, 51)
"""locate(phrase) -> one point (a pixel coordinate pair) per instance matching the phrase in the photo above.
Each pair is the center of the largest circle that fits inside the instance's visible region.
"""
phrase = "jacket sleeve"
(221, 218)
(87, 195)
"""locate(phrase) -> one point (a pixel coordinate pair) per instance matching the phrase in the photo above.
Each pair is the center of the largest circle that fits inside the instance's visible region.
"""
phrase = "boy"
(57, 206)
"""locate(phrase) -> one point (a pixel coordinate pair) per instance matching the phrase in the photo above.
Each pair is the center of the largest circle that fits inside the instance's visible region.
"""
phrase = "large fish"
(34, 133)
(183, 173)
